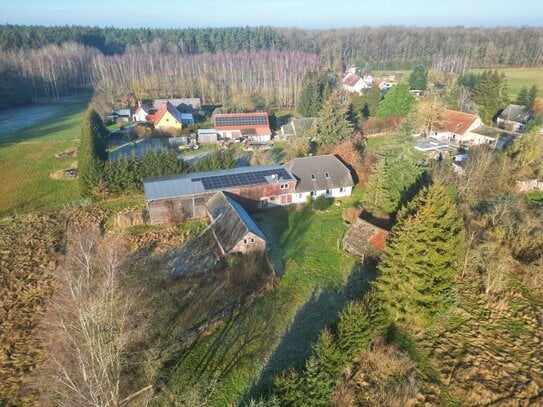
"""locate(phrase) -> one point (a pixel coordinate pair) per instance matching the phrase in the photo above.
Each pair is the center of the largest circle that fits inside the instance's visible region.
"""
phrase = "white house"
(458, 128)
(140, 115)
(320, 175)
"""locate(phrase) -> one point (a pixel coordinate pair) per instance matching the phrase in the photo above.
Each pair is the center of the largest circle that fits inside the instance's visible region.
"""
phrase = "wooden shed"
(364, 239)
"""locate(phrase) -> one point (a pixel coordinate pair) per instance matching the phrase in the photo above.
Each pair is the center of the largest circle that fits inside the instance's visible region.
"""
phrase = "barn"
(172, 199)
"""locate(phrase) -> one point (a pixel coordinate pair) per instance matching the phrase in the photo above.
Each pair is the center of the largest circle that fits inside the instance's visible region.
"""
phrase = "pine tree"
(398, 102)
(420, 262)
(532, 96)
(522, 97)
(91, 152)
(491, 94)
(397, 171)
(419, 77)
(334, 127)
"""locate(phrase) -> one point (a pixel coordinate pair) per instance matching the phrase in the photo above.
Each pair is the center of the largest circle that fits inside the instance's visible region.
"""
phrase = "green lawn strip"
(276, 332)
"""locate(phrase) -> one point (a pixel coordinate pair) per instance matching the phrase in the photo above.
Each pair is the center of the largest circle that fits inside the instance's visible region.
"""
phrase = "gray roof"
(195, 103)
(517, 113)
(431, 144)
(230, 221)
(318, 167)
(209, 181)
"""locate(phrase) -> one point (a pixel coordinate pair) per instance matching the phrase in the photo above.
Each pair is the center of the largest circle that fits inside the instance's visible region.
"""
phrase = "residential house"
(167, 118)
(354, 83)
(184, 105)
(365, 240)
(185, 196)
(320, 175)
(252, 126)
(458, 128)
(140, 115)
(515, 118)
(233, 229)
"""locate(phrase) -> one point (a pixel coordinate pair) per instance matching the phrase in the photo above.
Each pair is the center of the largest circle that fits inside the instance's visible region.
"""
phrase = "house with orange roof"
(167, 118)
(459, 128)
(354, 83)
(252, 126)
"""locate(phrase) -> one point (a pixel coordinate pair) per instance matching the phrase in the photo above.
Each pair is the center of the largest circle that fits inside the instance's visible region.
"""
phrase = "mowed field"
(276, 333)
(27, 157)
(519, 77)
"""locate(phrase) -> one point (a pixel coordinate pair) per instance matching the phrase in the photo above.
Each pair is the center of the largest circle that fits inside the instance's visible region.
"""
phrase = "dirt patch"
(69, 153)
(66, 173)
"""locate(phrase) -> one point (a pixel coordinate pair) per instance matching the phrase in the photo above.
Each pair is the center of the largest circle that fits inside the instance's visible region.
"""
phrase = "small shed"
(207, 136)
(364, 239)
(233, 228)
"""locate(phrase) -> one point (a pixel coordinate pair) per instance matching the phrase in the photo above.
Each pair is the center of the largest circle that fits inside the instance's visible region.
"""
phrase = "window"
(313, 177)
(313, 193)
(327, 175)
(328, 191)
(244, 241)
(300, 195)
(341, 189)
(284, 186)
(253, 240)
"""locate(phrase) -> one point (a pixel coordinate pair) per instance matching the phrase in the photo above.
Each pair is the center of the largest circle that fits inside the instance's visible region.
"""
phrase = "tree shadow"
(321, 310)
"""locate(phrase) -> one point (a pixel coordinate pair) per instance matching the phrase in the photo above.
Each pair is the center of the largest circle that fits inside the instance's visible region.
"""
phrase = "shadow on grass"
(321, 310)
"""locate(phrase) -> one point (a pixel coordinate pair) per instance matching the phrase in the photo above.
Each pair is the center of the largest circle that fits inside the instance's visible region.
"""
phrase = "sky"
(277, 13)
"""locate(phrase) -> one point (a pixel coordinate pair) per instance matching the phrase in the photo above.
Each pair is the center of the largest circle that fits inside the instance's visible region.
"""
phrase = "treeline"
(276, 76)
(110, 40)
(382, 47)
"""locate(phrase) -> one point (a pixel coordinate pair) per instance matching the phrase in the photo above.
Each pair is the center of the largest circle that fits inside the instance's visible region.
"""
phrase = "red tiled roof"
(457, 122)
(379, 238)
(351, 80)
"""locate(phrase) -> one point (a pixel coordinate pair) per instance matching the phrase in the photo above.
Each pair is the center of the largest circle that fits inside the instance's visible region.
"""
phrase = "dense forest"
(217, 63)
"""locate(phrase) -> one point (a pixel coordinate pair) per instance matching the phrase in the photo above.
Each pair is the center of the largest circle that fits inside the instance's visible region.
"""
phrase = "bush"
(321, 203)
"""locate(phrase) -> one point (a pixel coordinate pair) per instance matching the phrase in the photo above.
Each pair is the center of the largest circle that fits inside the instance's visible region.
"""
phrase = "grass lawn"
(276, 333)
(27, 159)
(519, 77)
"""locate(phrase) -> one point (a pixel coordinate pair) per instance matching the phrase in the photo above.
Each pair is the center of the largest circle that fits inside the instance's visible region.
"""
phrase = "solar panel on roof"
(242, 179)
(230, 121)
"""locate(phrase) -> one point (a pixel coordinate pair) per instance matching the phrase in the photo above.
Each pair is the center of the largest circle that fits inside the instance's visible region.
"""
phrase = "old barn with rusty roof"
(364, 239)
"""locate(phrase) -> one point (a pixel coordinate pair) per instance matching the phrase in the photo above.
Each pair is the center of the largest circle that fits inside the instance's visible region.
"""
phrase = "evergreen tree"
(397, 102)
(420, 263)
(419, 77)
(523, 97)
(491, 94)
(315, 90)
(334, 127)
(532, 96)
(395, 175)
(91, 152)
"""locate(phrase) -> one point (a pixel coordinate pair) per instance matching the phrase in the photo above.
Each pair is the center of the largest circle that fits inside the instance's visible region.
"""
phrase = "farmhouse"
(254, 126)
(354, 83)
(320, 175)
(458, 128)
(184, 105)
(515, 118)
(364, 239)
(167, 117)
(175, 198)
(233, 228)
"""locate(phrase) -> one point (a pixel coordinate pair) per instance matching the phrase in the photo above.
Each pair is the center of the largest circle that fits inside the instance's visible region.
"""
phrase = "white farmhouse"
(458, 128)
(320, 175)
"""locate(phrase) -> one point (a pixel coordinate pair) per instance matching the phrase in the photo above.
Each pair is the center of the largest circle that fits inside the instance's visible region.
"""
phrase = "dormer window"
(284, 186)
(327, 175)
(313, 177)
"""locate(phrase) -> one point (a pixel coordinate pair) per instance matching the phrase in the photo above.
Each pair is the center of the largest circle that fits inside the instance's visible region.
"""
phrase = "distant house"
(320, 175)
(233, 228)
(184, 105)
(167, 117)
(364, 239)
(207, 136)
(515, 118)
(252, 126)
(354, 83)
(185, 196)
(140, 115)
(458, 127)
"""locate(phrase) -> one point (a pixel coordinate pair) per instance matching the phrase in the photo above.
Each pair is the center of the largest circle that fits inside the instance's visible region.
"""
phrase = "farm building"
(364, 239)
(320, 175)
(458, 128)
(233, 228)
(515, 118)
(175, 198)
(183, 105)
(207, 136)
(167, 117)
(253, 126)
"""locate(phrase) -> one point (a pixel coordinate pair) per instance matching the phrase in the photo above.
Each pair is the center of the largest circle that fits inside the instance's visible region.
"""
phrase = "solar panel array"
(241, 120)
(243, 179)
